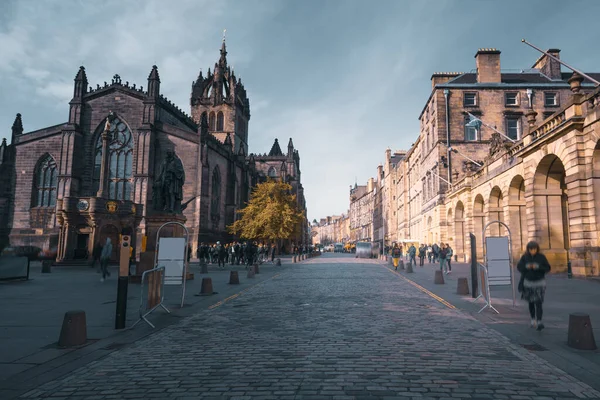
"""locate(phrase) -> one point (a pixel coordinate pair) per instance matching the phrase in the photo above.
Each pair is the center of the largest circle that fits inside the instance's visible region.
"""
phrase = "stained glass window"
(120, 161)
(46, 183)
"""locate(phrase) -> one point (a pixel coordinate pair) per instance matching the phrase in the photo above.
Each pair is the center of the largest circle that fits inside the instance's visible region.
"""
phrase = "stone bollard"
(256, 269)
(207, 287)
(409, 268)
(278, 262)
(250, 273)
(46, 266)
(581, 335)
(439, 277)
(462, 286)
(74, 329)
(203, 268)
(234, 278)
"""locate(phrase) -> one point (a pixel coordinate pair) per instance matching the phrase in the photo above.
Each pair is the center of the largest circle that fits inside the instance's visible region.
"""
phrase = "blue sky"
(346, 79)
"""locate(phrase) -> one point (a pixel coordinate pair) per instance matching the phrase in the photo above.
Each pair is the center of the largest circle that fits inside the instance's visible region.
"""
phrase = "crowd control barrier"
(154, 295)
(484, 288)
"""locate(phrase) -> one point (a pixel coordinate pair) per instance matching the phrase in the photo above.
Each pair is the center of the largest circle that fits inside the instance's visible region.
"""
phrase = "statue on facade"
(168, 186)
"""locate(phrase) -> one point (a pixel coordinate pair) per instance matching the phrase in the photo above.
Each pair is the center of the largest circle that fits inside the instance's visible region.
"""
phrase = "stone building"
(438, 200)
(361, 212)
(55, 193)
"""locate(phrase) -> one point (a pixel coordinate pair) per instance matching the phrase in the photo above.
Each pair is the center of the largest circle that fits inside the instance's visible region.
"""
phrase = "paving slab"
(332, 327)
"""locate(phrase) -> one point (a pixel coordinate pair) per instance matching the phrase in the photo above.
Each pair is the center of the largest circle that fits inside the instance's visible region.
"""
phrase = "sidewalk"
(33, 311)
(563, 296)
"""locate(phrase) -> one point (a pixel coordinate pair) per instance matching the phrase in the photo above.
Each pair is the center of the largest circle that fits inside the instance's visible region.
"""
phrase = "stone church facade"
(52, 192)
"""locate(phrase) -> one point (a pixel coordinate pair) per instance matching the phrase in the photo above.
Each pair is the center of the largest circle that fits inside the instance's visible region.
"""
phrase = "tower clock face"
(83, 205)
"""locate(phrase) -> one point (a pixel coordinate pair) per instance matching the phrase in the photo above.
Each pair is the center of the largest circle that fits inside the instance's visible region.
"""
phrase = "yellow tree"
(271, 214)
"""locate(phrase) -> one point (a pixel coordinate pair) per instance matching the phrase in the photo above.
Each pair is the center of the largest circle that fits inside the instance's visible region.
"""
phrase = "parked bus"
(364, 250)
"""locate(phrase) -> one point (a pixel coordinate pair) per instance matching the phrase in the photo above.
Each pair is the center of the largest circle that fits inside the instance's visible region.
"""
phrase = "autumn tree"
(271, 214)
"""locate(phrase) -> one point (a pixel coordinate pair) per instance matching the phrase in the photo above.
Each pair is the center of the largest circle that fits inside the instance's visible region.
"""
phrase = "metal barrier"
(155, 294)
(484, 288)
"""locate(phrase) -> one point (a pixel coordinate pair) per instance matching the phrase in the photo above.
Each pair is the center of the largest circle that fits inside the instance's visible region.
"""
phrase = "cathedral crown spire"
(223, 59)
(81, 83)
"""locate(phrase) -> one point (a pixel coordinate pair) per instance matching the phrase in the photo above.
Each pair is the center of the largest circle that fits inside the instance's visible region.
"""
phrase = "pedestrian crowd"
(433, 253)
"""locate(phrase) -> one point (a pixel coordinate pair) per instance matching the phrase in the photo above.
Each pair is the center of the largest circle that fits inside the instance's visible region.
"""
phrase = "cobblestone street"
(334, 327)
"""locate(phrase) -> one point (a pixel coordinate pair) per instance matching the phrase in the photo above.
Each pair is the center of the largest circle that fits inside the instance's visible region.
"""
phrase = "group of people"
(434, 253)
(234, 253)
(533, 267)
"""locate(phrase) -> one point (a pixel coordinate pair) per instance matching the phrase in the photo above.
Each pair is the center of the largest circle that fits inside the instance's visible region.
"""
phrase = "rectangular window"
(470, 99)
(511, 99)
(470, 133)
(550, 99)
(513, 128)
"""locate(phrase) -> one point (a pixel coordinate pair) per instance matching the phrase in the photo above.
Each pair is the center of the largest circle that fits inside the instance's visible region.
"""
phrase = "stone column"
(102, 190)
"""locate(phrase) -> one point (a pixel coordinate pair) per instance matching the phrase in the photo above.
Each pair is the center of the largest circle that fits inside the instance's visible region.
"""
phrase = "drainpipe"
(446, 93)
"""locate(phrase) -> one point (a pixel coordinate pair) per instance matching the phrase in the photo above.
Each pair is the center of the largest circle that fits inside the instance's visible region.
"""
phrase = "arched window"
(120, 161)
(272, 173)
(211, 121)
(46, 177)
(215, 201)
(219, 121)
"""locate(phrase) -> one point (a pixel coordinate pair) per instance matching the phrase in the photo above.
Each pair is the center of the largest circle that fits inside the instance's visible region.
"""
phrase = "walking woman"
(533, 267)
(396, 254)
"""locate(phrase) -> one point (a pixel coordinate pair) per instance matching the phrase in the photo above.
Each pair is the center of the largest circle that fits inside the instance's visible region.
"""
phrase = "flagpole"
(491, 127)
(563, 63)
(470, 159)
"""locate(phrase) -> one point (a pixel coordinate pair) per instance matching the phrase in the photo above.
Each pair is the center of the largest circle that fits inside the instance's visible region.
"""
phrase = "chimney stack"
(488, 66)
(442, 77)
(549, 66)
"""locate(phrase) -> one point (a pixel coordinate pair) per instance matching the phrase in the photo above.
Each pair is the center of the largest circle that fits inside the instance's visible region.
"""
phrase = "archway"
(459, 230)
(551, 208)
(478, 223)
(496, 212)
(517, 215)
(596, 188)
(110, 231)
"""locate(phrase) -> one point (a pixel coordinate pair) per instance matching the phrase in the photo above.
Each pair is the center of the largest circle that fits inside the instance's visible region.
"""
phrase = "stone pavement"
(334, 327)
(32, 315)
(563, 296)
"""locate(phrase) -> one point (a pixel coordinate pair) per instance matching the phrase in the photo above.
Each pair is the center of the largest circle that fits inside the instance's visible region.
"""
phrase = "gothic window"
(272, 173)
(46, 177)
(120, 161)
(211, 121)
(215, 201)
(219, 121)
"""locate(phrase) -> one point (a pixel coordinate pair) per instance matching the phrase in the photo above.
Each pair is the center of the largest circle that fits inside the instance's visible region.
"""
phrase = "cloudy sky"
(346, 79)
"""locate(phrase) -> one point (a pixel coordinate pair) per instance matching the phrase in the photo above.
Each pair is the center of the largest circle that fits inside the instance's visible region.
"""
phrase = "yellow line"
(220, 303)
(422, 289)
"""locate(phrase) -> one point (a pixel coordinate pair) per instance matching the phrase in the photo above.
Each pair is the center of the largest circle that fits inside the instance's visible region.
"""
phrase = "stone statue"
(168, 186)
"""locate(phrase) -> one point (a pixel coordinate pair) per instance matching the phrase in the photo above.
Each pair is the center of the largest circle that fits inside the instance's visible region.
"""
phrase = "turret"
(154, 83)
(17, 128)
(81, 84)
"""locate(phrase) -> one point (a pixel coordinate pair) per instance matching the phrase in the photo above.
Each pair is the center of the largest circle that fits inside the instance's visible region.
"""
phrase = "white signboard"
(498, 260)
(171, 256)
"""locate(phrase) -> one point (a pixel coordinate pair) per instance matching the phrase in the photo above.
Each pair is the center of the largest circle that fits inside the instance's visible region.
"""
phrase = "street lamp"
(475, 122)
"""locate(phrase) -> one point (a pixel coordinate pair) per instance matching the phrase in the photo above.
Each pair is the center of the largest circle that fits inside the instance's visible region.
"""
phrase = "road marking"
(220, 303)
(422, 289)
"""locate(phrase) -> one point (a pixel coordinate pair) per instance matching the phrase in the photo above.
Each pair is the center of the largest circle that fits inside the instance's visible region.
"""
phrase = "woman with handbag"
(533, 267)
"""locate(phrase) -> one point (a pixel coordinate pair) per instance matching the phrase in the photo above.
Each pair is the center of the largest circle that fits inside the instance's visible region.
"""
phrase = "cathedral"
(70, 186)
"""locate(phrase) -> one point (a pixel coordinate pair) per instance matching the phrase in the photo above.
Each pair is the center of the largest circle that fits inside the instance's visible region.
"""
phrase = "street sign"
(171, 255)
(498, 260)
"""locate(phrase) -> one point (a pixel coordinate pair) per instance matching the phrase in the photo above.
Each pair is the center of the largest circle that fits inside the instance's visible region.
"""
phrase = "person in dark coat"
(533, 267)
(96, 253)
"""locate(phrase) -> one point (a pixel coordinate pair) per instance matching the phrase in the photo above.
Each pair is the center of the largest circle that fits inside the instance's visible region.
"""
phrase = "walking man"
(105, 258)
(412, 252)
